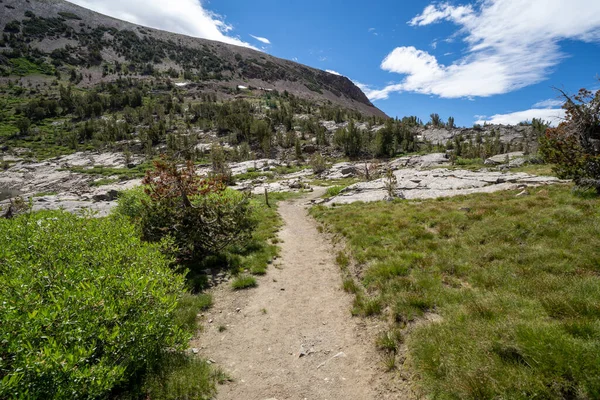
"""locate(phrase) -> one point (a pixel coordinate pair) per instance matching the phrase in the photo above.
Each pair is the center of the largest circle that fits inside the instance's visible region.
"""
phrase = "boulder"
(504, 158)
(309, 148)
(109, 195)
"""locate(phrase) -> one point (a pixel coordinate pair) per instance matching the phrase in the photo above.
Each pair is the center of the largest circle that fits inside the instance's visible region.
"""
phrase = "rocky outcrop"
(515, 135)
(428, 184)
(52, 185)
(504, 158)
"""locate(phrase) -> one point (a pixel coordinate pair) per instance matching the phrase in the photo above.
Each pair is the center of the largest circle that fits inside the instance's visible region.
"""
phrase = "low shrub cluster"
(247, 240)
(574, 146)
(201, 215)
(85, 306)
(96, 308)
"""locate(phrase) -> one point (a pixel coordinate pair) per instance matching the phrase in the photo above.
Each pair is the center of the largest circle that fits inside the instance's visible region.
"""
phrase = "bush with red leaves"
(200, 214)
(574, 146)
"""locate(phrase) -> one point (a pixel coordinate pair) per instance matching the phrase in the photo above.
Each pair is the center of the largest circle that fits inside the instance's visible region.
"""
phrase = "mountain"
(45, 36)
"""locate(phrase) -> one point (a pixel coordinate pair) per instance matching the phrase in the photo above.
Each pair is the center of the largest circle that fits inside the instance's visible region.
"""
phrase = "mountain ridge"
(68, 35)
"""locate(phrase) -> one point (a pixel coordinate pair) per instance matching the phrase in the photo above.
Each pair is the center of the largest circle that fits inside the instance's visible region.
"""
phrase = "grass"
(188, 307)
(244, 282)
(350, 286)
(536, 169)
(183, 377)
(514, 282)
(333, 191)
(389, 361)
(476, 164)
(256, 254)
(390, 340)
(22, 66)
(253, 173)
(344, 182)
(41, 146)
(121, 173)
(104, 181)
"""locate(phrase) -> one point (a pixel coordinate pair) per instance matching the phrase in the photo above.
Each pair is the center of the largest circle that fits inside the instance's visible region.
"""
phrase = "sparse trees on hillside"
(539, 126)
(220, 168)
(436, 121)
(450, 124)
(349, 139)
(23, 124)
(384, 140)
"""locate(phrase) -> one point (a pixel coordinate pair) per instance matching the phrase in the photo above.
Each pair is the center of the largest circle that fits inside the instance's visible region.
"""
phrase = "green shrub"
(85, 306)
(563, 150)
(318, 163)
(574, 146)
(201, 215)
(131, 203)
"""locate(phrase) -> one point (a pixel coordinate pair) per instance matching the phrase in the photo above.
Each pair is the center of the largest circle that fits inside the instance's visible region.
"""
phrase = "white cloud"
(553, 116)
(333, 72)
(187, 17)
(550, 103)
(435, 13)
(510, 44)
(375, 94)
(365, 88)
(262, 39)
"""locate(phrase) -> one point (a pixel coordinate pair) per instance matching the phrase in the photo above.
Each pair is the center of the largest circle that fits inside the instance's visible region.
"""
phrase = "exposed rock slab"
(422, 184)
(72, 191)
(504, 158)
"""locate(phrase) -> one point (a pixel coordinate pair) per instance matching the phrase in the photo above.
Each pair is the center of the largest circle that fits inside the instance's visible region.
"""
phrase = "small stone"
(238, 309)
(210, 321)
(195, 350)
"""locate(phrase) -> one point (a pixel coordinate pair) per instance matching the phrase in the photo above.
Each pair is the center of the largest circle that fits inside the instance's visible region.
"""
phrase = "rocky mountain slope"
(54, 36)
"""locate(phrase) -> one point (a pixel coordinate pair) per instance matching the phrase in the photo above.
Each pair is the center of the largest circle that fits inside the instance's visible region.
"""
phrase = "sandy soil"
(293, 337)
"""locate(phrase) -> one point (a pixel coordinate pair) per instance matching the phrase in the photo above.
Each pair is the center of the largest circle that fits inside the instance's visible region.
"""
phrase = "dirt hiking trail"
(293, 337)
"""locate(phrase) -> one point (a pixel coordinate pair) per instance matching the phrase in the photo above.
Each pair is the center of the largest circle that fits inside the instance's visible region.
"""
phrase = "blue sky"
(489, 60)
